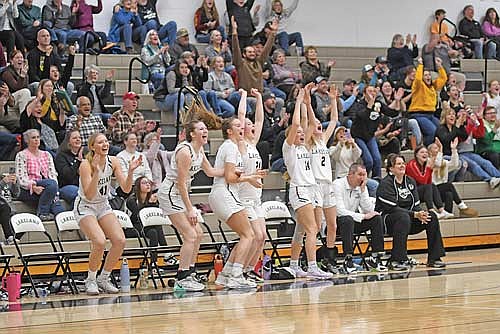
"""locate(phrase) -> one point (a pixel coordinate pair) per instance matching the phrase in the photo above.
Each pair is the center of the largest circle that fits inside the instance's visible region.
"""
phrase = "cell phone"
(12, 170)
(347, 134)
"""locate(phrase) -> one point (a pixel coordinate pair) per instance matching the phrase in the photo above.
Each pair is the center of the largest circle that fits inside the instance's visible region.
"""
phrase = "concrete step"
(341, 62)
(121, 86)
(121, 73)
(485, 206)
(477, 65)
(476, 190)
(473, 99)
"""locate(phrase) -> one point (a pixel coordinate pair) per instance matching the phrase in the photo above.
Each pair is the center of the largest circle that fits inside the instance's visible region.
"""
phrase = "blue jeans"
(371, 156)
(8, 143)
(126, 33)
(234, 98)
(139, 34)
(415, 130)
(167, 33)
(205, 38)
(64, 35)
(428, 124)
(91, 40)
(285, 40)
(478, 49)
(278, 93)
(220, 106)
(372, 186)
(278, 165)
(69, 193)
(46, 203)
(479, 166)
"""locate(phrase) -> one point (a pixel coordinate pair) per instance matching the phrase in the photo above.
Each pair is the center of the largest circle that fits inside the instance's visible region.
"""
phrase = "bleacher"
(458, 232)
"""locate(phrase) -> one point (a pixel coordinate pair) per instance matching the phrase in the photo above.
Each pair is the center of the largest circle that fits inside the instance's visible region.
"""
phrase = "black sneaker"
(398, 266)
(199, 278)
(349, 265)
(252, 275)
(375, 264)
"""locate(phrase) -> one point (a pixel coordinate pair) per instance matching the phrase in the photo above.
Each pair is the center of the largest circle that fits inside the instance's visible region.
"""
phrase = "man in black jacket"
(41, 58)
(95, 92)
(472, 29)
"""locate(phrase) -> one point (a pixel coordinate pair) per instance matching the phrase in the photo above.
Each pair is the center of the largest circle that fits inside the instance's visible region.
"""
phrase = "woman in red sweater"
(420, 169)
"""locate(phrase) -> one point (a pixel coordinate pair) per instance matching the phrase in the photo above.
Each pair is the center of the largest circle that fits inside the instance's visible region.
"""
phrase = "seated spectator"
(128, 119)
(84, 121)
(53, 109)
(96, 93)
(388, 138)
(84, 21)
(424, 99)
(222, 86)
(37, 177)
(420, 169)
(472, 29)
(406, 84)
(399, 205)
(312, 68)
(124, 24)
(401, 55)
(284, 77)
(440, 28)
(440, 178)
(143, 197)
(158, 159)
(455, 101)
(9, 36)
(323, 98)
(466, 128)
(199, 72)
(150, 20)
(348, 99)
(67, 162)
(264, 35)
(220, 47)
(182, 45)
(245, 20)
(491, 28)
(274, 123)
(492, 97)
(285, 39)
(368, 77)
(363, 129)
(380, 70)
(409, 129)
(130, 153)
(15, 76)
(61, 82)
(29, 21)
(10, 190)
(489, 145)
(61, 19)
(356, 214)
(156, 58)
(206, 20)
(41, 58)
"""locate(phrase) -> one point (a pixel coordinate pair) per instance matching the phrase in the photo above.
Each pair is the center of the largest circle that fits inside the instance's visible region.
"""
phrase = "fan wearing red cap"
(128, 119)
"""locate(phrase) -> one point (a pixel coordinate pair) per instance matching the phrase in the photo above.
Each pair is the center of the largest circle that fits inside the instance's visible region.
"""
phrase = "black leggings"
(400, 225)
(449, 195)
(5, 220)
(429, 194)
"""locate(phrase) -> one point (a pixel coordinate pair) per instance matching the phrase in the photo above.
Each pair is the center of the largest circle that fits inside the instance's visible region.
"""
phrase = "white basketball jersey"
(320, 162)
(251, 163)
(196, 161)
(228, 152)
(103, 185)
(298, 163)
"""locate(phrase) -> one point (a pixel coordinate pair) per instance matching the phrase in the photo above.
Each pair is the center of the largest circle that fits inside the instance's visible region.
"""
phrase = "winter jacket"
(393, 197)
(446, 136)
(55, 19)
(419, 174)
(490, 142)
(118, 20)
(470, 28)
(84, 20)
(67, 166)
(399, 58)
(366, 120)
(311, 72)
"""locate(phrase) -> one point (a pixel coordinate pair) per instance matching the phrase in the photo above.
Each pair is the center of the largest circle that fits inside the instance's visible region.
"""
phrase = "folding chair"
(5, 261)
(278, 218)
(29, 223)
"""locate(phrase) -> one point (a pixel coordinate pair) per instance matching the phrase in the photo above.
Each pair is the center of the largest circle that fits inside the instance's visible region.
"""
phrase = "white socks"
(92, 275)
(462, 206)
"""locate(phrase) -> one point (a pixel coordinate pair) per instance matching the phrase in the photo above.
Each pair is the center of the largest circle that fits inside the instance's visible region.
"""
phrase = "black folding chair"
(28, 223)
(279, 220)
(5, 261)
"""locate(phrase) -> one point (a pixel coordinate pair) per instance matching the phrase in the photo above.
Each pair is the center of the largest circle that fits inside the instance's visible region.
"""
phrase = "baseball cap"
(182, 32)
(319, 79)
(268, 96)
(367, 68)
(380, 60)
(130, 96)
(349, 81)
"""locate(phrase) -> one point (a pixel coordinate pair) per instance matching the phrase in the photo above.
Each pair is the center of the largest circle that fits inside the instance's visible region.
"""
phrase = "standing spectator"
(8, 141)
(245, 21)
(355, 214)
(182, 45)
(128, 119)
(67, 163)
(61, 18)
(401, 55)
(10, 190)
(285, 39)
(441, 28)
(84, 21)
(41, 58)
(38, 177)
(491, 28)
(8, 33)
(206, 20)
(156, 58)
(124, 25)
(312, 68)
(424, 99)
(220, 47)
(96, 93)
(150, 20)
(472, 29)
(84, 121)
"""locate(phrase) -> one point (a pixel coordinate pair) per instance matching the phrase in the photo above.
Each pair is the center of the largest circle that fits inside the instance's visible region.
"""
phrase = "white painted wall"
(331, 22)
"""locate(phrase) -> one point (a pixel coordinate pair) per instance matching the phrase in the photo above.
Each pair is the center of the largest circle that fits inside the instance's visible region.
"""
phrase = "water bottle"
(151, 88)
(56, 198)
(43, 295)
(125, 276)
(218, 264)
(6, 193)
(224, 252)
(143, 279)
(77, 46)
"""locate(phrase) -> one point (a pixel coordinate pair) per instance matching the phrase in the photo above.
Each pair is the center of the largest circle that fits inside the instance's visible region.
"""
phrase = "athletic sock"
(228, 268)
(105, 274)
(92, 275)
(312, 265)
(462, 206)
(294, 263)
(237, 269)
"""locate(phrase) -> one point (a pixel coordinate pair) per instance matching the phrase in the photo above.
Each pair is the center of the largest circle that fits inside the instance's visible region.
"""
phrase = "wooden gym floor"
(462, 298)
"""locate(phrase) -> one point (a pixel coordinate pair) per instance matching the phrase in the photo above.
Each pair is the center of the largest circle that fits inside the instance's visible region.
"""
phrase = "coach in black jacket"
(399, 205)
